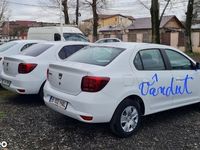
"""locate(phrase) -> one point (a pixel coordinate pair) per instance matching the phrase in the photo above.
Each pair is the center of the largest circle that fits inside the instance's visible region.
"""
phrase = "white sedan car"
(14, 47)
(118, 83)
(26, 73)
(108, 40)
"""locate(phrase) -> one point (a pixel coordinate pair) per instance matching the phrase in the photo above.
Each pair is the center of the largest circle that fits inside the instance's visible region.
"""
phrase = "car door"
(153, 79)
(186, 78)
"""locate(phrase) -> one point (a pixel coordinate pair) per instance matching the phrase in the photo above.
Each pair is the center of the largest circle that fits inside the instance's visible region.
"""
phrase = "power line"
(32, 5)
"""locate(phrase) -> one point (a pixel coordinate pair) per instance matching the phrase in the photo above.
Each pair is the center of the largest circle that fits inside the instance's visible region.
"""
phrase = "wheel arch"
(139, 100)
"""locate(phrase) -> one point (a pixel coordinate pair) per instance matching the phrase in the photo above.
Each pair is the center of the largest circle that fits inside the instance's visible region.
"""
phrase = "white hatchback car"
(26, 73)
(15, 47)
(120, 82)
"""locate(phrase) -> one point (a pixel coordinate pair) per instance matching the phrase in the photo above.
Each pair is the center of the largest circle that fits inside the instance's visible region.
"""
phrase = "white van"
(52, 33)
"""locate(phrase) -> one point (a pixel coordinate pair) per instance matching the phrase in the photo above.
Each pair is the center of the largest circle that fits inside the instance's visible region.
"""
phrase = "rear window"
(36, 49)
(66, 51)
(95, 55)
(6, 46)
(74, 37)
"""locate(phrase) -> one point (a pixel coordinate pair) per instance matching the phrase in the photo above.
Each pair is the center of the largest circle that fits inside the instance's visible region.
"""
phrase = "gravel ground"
(26, 124)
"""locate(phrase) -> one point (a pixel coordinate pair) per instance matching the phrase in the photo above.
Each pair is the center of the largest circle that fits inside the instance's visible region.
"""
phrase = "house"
(171, 30)
(196, 37)
(112, 20)
(108, 22)
(18, 29)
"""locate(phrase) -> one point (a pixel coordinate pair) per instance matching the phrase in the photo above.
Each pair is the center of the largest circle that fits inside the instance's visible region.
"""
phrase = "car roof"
(67, 42)
(131, 45)
(26, 41)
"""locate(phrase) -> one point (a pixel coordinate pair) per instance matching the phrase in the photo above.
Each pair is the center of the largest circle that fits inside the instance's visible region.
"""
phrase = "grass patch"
(2, 114)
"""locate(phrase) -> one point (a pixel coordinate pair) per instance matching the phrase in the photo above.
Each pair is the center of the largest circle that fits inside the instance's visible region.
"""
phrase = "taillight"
(24, 68)
(93, 84)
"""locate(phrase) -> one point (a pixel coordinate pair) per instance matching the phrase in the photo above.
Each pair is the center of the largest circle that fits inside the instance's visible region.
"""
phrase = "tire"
(41, 92)
(126, 119)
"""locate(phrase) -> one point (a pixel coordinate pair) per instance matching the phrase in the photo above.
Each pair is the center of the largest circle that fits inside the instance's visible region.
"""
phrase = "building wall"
(115, 20)
(138, 36)
(173, 24)
(124, 21)
(108, 21)
(196, 41)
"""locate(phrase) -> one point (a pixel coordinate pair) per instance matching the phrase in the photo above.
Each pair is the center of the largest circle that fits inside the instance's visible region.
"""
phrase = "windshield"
(96, 55)
(6, 46)
(74, 37)
(36, 49)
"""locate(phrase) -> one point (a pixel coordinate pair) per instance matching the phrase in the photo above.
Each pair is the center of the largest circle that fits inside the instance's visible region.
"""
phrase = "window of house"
(178, 61)
(146, 38)
(132, 37)
(181, 39)
(119, 36)
(106, 35)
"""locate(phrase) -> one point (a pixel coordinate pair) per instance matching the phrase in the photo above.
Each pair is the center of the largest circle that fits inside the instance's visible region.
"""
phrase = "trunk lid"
(10, 64)
(67, 78)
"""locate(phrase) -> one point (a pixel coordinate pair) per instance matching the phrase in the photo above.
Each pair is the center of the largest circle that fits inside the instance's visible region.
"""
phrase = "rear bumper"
(97, 105)
(22, 82)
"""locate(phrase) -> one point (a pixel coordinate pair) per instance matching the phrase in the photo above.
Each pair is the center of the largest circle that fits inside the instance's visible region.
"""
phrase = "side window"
(178, 61)
(26, 46)
(138, 62)
(152, 60)
(57, 37)
(69, 50)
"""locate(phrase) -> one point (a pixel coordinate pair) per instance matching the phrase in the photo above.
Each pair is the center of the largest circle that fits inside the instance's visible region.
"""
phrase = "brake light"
(24, 68)
(93, 84)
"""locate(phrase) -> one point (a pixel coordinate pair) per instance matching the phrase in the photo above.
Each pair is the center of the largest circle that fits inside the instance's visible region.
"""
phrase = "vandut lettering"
(151, 88)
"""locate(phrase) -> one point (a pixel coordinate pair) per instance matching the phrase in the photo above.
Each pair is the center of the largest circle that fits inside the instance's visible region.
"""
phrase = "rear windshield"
(36, 49)
(74, 37)
(6, 46)
(96, 55)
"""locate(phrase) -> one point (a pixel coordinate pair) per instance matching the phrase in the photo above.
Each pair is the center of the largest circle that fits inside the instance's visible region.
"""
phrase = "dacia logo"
(60, 76)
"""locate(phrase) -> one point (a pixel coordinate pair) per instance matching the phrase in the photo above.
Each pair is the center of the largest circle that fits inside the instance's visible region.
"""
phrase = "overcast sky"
(29, 10)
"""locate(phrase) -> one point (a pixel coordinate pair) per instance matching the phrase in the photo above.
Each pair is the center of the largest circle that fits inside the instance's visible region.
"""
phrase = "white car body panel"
(125, 80)
(16, 49)
(32, 82)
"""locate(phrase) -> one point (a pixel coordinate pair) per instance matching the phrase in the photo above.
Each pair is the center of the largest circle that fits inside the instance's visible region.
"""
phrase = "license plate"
(58, 102)
(5, 82)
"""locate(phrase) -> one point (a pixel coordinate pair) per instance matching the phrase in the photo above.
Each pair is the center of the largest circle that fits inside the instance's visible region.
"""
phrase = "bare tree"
(77, 11)
(56, 3)
(196, 11)
(95, 4)
(188, 25)
(156, 19)
(3, 9)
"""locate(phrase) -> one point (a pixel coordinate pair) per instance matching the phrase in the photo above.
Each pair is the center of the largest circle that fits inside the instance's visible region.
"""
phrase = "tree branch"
(163, 12)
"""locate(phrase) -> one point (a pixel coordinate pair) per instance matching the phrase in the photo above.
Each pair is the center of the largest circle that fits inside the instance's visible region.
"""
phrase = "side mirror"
(197, 65)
